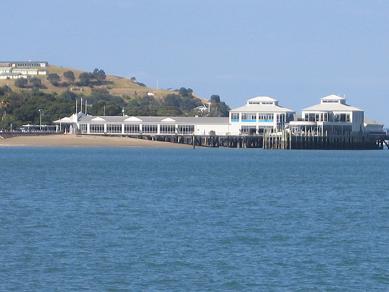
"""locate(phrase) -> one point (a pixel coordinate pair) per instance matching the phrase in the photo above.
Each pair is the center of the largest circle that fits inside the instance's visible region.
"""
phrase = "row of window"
(186, 129)
(325, 117)
(253, 130)
(253, 117)
(261, 102)
(249, 116)
(149, 129)
(265, 117)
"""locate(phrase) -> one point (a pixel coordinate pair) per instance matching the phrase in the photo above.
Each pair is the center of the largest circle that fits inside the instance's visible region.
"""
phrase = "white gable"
(168, 120)
(132, 119)
(262, 100)
(98, 119)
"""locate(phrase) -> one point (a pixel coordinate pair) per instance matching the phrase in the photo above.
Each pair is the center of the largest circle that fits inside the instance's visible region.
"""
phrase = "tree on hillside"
(54, 79)
(21, 82)
(185, 91)
(68, 95)
(36, 82)
(69, 75)
(215, 98)
(4, 90)
(172, 100)
(99, 75)
(85, 79)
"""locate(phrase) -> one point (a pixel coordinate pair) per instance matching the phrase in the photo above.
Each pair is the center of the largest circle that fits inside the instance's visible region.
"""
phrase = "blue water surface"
(193, 220)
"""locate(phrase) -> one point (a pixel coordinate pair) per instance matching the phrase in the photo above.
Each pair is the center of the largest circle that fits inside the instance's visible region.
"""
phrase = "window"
(249, 117)
(186, 129)
(265, 117)
(114, 128)
(342, 118)
(131, 128)
(281, 118)
(261, 102)
(234, 117)
(97, 128)
(311, 117)
(167, 129)
(83, 128)
(250, 130)
(151, 129)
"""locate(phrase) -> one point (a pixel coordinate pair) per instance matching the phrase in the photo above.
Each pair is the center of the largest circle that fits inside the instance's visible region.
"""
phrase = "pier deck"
(279, 141)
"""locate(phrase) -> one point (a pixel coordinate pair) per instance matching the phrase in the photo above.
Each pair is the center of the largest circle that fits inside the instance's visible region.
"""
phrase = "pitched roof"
(265, 108)
(331, 107)
(368, 121)
(261, 99)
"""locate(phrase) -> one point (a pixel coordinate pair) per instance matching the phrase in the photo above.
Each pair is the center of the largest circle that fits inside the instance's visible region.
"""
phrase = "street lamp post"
(40, 119)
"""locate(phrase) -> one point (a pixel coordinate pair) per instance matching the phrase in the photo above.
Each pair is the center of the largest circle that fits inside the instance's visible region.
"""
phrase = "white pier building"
(331, 116)
(146, 125)
(258, 115)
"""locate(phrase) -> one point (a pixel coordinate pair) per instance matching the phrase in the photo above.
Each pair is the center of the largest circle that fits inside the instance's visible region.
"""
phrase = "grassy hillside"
(117, 86)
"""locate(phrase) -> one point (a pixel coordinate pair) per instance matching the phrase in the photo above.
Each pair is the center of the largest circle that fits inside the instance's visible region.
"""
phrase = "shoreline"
(67, 141)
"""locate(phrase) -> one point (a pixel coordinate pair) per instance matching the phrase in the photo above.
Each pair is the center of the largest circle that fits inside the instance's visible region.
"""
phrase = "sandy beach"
(83, 141)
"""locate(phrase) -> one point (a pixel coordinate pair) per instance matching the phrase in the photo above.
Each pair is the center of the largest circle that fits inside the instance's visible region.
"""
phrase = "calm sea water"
(204, 219)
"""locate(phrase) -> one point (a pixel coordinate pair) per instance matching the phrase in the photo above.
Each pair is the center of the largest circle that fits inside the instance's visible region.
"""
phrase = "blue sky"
(297, 51)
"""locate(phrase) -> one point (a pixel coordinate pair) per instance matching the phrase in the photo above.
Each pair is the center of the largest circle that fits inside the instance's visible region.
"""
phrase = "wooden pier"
(268, 140)
(280, 140)
(286, 140)
(210, 140)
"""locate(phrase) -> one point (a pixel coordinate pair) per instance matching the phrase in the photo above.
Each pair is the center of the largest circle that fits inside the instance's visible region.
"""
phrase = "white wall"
(218, 129)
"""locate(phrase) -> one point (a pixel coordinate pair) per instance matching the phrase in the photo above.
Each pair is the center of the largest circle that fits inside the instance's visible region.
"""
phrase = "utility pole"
(40, 119)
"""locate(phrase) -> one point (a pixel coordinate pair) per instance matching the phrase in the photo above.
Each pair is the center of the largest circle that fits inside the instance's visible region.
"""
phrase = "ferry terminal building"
(262, 114)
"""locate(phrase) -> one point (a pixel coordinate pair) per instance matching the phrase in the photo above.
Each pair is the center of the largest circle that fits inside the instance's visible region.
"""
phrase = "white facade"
(259, 114)
(24, 69)
(331, 116)
(125, 125)
(220, 130)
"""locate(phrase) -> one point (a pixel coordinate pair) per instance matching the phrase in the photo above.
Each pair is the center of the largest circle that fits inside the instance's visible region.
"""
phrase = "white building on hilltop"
(259, 114)
(22, 69)
(331, 116)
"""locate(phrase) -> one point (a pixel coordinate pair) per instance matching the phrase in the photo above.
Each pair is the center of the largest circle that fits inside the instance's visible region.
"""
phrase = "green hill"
(56, 94)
